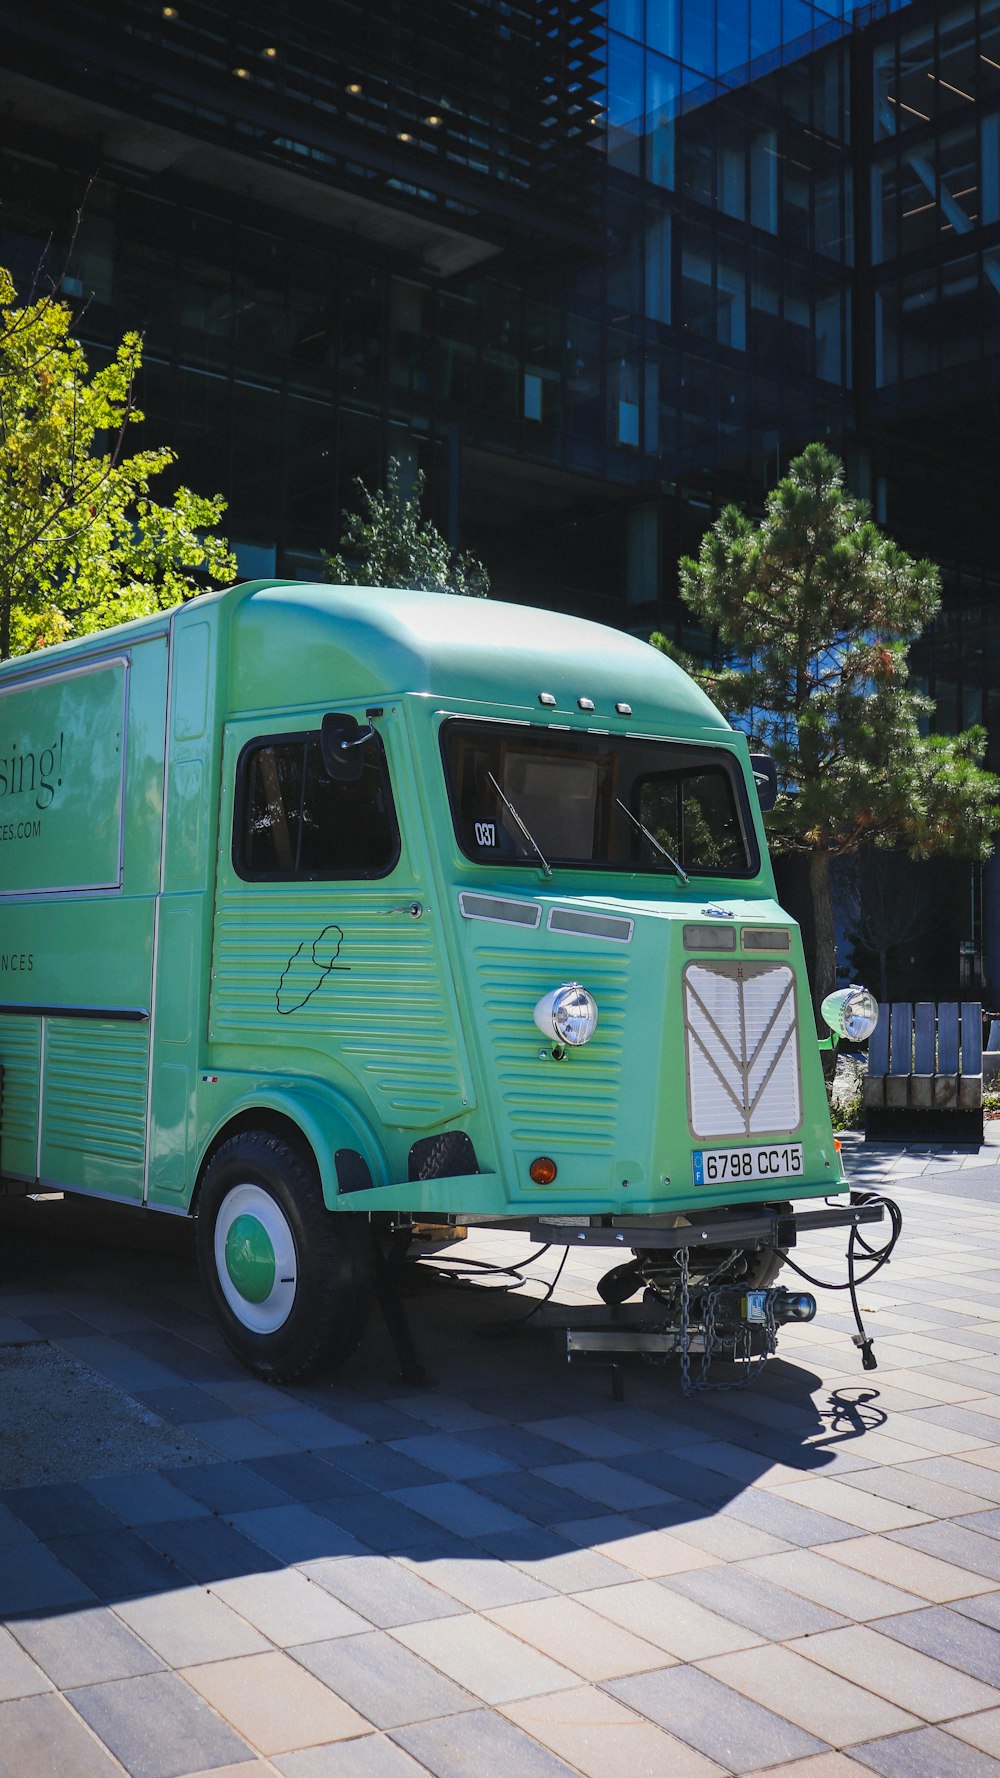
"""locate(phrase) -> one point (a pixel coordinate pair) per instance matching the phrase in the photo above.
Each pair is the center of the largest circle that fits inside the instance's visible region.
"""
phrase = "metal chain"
(750, 1368)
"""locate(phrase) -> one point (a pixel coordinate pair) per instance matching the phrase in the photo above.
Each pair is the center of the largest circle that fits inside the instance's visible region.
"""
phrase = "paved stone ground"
(507, 1570)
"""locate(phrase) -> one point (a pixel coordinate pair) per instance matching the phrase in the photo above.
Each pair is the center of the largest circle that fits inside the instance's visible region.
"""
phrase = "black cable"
(880, 1255)
(493, 1330)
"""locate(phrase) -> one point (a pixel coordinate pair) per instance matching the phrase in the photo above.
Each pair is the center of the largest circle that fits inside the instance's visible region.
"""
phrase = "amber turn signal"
(543, 1170)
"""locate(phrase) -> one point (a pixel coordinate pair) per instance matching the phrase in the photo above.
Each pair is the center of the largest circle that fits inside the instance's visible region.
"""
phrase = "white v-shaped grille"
(742, 1049)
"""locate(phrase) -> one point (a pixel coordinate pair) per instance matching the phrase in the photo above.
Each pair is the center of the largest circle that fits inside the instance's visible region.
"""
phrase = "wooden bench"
(925, 1071)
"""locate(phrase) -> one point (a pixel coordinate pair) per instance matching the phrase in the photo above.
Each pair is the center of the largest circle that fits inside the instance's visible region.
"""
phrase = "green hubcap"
(250, 1259)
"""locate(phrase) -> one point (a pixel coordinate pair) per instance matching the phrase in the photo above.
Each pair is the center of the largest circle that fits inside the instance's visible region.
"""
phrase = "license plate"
(725, 1166)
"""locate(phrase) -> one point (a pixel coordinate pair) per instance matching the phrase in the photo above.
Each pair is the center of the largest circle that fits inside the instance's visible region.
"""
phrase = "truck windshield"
(584, 800)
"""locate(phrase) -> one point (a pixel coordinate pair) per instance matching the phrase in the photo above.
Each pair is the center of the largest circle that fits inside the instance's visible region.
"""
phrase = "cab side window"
(293, 823)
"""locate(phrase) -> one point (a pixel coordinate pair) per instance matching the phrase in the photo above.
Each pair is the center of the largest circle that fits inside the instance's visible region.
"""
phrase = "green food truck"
(326, 909)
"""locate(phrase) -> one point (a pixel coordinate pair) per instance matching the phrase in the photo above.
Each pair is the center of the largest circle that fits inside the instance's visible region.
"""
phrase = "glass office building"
(594, 268)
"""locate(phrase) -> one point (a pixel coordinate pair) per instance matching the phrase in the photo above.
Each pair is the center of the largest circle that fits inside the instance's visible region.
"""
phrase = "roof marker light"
(585, 703)
(546, 698)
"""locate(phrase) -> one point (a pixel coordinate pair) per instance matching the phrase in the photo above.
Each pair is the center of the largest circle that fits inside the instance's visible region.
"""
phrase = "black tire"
(306, 1305)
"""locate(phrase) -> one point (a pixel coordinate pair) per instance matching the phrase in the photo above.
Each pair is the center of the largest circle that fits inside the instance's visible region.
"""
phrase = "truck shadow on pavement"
(175, 1468)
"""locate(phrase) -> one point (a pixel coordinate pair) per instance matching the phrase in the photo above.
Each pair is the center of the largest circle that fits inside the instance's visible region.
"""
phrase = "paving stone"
(144, 1501)
(489, 1662)
(932, 1498)
(478, 1742)
(830, 1707)
(985, 1609)
(630, 1543)
(868, 1512)
(20, 1677)
(385, 1682)
(949, 1636)
(955, 1543)
(981, 1730)
(784, 1519)
(190, 1625)
(374, 1756)
(519, 1444)
(585, 1641)
(445, 1412)
(602, 1739)
(384, 1591)
(818, 1765)
(591, 1438)
(607, 1485)
(239, 1439)
(208, 1549)
(815, 1576)
(378, 1466)
(306, 1429)
(447, 1455)
(678, 1476)
(229, 1487)
(288, 1607)
(925, 1576)
(683, 1628)
(910, 1678)
(754, 1602)
(555, 1562)
(42, 1736)
(64, 1509)
(716, 1533)
(295, 1534)
(382, 1521)
(534, 1498)
(477, 1580)
(156, 1726)
(274, 1703)
(32, 1579)
(719, 1722)
(83, 1647)
(185, 1404)
(926, 1753)
(462, 1511)
(304, 1477)
(13, 1530)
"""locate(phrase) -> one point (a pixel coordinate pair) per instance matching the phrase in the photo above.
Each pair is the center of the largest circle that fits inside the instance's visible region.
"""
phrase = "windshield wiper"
(681, 872)
(508, 805)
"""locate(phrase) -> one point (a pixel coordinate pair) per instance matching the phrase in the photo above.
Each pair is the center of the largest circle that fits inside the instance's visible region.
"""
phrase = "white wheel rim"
(269, 1315)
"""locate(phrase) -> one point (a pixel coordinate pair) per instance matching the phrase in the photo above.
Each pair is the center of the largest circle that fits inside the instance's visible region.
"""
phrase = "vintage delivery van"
(325, 908)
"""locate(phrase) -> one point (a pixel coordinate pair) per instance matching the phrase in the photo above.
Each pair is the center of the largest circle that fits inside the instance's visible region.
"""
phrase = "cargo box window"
(614, 802)
(294, 823)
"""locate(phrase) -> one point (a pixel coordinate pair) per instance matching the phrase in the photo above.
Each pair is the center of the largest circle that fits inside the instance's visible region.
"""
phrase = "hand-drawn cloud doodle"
(307, 969)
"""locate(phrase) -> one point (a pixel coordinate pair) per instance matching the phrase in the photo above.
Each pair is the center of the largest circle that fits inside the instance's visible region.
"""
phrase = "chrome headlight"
(851, 1013)
(568, 1014)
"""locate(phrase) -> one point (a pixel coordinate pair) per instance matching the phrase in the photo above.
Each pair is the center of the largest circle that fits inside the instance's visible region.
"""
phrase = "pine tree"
(815, 609)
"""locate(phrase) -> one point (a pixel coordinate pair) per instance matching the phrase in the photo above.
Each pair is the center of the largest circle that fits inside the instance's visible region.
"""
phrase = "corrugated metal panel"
(19, 1051)
(576, 1101)
(94, 1102)
(369, 989)
(742, 1048)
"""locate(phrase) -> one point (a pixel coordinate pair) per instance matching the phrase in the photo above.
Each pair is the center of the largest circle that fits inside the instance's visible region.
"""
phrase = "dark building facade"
(594, 269)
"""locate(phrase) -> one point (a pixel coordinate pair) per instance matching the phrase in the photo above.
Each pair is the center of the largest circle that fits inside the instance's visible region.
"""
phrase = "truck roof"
(298, 643)
(378, 641)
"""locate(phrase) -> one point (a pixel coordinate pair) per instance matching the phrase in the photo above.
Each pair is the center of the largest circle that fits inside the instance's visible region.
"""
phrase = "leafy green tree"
(389, 544)
(82, 543)
(815, 610)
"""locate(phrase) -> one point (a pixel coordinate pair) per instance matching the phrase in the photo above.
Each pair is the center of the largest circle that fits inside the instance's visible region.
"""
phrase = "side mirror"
(765, 776)
(341, 741)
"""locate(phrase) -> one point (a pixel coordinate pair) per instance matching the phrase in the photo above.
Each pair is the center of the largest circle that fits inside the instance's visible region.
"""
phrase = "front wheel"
(290, 1282)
